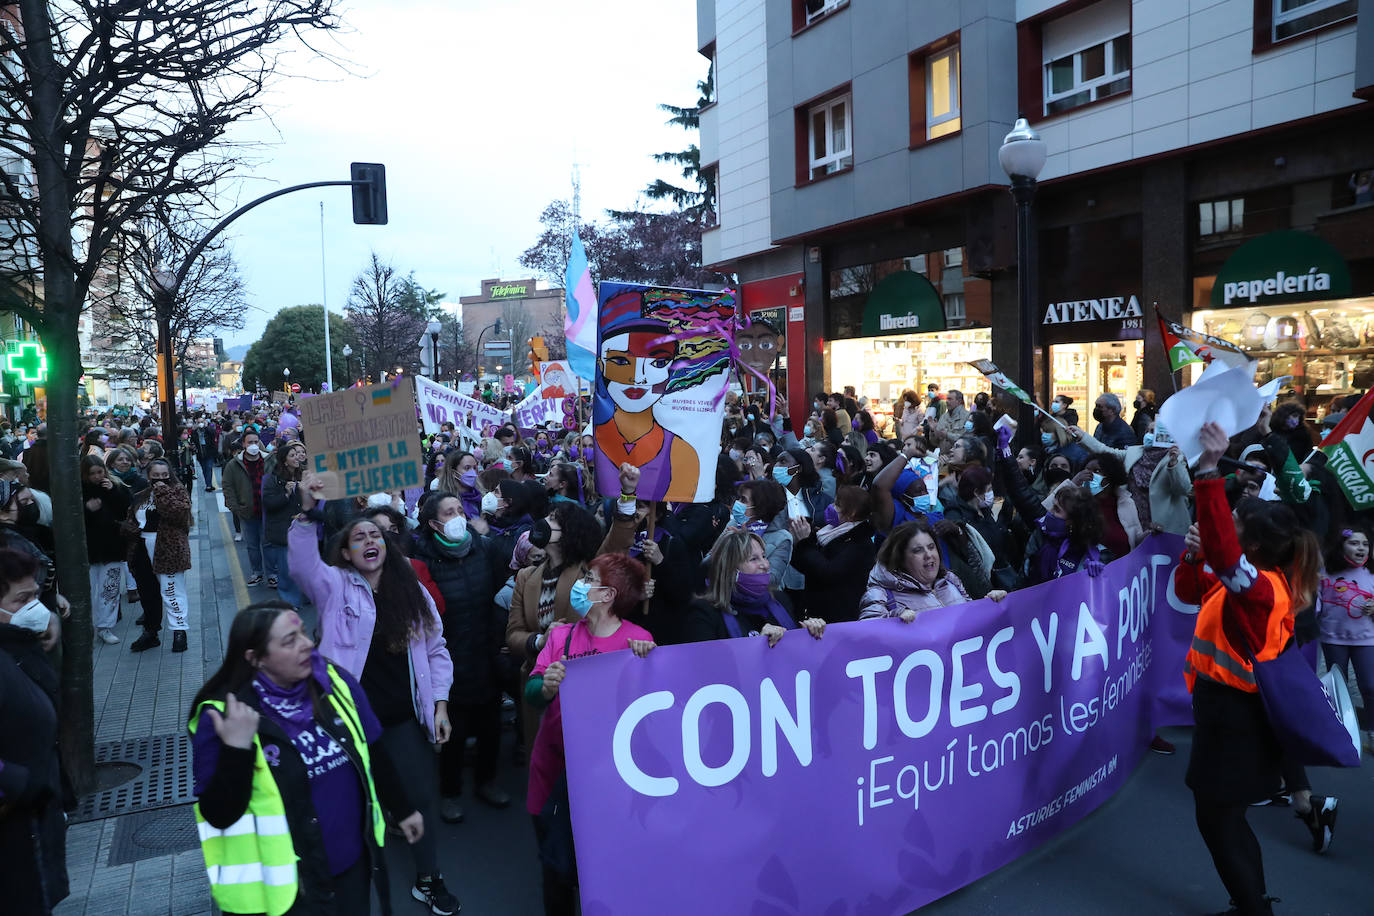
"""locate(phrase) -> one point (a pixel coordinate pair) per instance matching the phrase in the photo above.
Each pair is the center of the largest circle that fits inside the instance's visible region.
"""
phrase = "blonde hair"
(729, 554)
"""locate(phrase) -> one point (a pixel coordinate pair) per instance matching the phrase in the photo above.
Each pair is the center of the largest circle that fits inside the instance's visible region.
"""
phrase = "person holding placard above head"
(379, 624)
(1258, 566)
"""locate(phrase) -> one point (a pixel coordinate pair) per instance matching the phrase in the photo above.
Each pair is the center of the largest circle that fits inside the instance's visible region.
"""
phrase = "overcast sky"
(479, 109)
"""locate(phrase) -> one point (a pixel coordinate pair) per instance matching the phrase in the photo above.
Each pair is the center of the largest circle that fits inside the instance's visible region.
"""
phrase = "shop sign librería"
(1088, 320)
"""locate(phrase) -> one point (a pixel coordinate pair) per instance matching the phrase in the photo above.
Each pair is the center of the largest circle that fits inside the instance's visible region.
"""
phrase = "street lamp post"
(1022, 157)
(433, 328)
(495, 327)
(164, 294)
(348, 362)
(286, 384)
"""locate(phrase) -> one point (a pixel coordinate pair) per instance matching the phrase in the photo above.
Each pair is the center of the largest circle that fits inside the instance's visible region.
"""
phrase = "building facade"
(524, 310)
(1177, 133)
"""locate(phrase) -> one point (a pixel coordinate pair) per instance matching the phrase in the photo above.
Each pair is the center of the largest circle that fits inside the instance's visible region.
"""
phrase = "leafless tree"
(211, 298)
(108, 107)
(387, 312)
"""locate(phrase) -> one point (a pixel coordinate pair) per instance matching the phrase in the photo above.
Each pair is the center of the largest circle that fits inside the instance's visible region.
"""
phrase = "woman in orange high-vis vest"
(1260, 566)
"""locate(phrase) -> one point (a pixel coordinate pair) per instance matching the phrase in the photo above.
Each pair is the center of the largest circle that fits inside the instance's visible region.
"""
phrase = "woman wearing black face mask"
(1145, 411)
(19, 530)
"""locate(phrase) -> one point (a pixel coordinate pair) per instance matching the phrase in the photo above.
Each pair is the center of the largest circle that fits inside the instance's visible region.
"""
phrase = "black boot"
(147, 641)
(179, 641)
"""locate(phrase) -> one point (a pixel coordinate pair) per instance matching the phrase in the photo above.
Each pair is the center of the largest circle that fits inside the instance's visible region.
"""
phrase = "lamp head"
(164, 278)
(434, 326)
(347, 350)
(1022, 154)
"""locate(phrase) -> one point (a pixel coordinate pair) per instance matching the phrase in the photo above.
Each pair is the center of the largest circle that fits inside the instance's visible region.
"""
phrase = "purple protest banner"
(875, 770)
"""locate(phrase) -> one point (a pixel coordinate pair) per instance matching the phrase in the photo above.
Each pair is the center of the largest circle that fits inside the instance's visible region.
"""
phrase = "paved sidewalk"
(133, 848)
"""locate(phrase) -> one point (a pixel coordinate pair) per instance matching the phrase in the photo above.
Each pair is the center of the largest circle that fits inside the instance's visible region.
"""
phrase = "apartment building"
(1197, 148)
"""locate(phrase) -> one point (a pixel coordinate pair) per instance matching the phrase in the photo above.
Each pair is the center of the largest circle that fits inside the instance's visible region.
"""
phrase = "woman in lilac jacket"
(380, 625)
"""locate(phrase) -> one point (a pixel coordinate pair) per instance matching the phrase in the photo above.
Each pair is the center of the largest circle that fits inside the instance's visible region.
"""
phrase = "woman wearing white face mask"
(32, 827)
(468, 573)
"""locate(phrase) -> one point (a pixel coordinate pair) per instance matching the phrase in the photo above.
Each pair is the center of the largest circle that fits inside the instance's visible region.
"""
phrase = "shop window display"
(1327, 347)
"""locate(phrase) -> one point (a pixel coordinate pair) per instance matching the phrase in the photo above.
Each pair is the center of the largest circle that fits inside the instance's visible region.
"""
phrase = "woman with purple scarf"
(1065, 539)
(739, 601)
(285, 773)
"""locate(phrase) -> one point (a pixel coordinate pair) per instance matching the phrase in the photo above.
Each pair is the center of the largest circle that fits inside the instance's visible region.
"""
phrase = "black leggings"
(353, 889)
(560, 894)
(412, 756)
(1235, 853)
(478, 720)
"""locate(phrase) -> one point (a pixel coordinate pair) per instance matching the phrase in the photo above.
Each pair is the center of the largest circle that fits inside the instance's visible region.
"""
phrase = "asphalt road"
(1139, 853)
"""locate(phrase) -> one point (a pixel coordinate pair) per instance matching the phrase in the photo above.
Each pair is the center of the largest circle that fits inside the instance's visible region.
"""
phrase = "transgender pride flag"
(579, 325)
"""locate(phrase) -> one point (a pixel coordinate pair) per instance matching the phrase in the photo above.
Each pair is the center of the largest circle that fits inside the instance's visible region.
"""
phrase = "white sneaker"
(107, 636)
(238, 537)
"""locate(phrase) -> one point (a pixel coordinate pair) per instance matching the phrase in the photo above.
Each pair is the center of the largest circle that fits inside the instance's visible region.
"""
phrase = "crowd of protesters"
(440, 607)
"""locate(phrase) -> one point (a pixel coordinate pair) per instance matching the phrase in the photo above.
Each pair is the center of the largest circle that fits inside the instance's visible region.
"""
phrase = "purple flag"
(877, 769)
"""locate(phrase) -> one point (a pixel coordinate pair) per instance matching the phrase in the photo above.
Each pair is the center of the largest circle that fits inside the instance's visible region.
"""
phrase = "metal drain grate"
(165, 780)
(148, 834)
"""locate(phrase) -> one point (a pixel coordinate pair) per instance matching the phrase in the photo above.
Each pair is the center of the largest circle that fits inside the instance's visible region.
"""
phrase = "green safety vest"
(252, 862)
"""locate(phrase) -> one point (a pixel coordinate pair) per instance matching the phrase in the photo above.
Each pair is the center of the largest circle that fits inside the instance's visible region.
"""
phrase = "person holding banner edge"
(1265, 565)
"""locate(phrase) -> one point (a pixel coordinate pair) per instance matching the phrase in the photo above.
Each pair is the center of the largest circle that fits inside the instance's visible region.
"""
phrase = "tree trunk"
(69, 518)
(61, 309)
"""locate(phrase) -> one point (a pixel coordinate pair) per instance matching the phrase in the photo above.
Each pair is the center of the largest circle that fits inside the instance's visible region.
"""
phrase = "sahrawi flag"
(1179, 354)
(580, 324)
(1198, 346)
(999, 378)
(1349, 448)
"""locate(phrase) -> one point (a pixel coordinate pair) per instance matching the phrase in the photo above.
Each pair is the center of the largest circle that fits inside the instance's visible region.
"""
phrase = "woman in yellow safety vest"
(288, 810)
(1258, 566)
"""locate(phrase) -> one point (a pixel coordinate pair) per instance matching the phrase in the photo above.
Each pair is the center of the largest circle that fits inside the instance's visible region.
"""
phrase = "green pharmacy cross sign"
(29, 362)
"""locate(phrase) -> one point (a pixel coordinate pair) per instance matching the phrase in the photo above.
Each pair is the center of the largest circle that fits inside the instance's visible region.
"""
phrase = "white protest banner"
(1226, 396)
(439, 404)
(363, 440)
(535, 411)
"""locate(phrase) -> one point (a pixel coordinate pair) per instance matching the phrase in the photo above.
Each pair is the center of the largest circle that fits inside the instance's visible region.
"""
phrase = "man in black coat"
(1112, 431)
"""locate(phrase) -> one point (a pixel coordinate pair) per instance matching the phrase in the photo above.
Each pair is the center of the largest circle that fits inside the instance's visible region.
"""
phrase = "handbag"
(1305, 711)
(556, 848)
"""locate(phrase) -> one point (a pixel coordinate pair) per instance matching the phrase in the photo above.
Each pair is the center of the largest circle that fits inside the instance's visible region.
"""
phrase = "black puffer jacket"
(104, 544)
(474, 627)
(836, 574)
(278, 508)
(32, 828)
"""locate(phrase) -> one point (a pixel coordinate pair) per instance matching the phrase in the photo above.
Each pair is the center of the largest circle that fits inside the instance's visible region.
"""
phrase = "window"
(954, 257)
(829, 137)
(710, 207)
(1096, 72)
(819, 9)
(1293, 17)
(955, 313)
(916, 265)
(942, 93)
(1220, 217)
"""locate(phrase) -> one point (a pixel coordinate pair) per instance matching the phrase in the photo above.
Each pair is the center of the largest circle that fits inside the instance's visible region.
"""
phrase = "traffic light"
(534, 343)
(369, 193)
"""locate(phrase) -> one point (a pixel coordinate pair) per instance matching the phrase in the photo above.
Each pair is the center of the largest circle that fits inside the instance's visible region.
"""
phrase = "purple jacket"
(348, 617)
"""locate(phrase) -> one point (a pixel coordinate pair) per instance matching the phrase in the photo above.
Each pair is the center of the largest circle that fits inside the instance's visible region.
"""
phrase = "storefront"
(888, 328)
(1096, 347)
(1092, 321)
(1286, 298)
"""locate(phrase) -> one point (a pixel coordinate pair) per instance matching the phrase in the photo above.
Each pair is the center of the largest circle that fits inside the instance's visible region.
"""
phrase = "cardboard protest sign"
(556, 380)
(363, 440)
(887, 763)
(663, 360)
(440, 404)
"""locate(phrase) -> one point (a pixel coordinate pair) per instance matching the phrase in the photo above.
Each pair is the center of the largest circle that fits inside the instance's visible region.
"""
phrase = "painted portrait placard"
(661, 371)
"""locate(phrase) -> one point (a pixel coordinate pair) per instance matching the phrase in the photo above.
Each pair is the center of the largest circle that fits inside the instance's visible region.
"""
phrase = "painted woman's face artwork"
(635, 383)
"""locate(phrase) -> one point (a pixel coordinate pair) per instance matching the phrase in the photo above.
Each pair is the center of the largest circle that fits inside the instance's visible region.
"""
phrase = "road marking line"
(235, 568)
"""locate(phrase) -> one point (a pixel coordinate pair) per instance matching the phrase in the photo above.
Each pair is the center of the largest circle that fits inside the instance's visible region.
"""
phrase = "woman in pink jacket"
(380, 625)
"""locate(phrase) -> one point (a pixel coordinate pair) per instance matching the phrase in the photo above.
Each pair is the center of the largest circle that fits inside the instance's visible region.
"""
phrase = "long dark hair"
(1082, 514)
(1272, 538)
(251, 629)
(581, 535)
(401, 609)
(1335, 551)
(892, 555)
